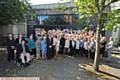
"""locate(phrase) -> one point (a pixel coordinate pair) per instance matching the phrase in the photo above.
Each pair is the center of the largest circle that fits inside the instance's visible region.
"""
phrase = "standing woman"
(10, 47)
(38, 38)
(57, 46)
(43, 47)
(54, 44)
(109, 47)
(31, 45)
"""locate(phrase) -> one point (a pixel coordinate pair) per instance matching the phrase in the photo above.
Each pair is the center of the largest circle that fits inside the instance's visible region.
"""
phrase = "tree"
(12, 11)
(98, 8)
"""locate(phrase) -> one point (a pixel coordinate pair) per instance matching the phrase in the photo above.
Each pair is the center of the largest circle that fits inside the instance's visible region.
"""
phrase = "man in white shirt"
(67, 45)
(86, 47)
(77, 46)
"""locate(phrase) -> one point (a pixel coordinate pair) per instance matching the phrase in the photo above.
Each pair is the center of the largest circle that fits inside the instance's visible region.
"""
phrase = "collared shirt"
(81, 43)
(20, 40)
(54, 41)
(77, 44)
(67, 43)
(110, 45)
(73, 43)
(86, 45)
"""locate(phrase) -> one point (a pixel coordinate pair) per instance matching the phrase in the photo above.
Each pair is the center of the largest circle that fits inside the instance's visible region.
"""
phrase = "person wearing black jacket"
(22, 51)
(72, 47)
(62, 44)
(19, 39)
(10, 47)
(49, 47)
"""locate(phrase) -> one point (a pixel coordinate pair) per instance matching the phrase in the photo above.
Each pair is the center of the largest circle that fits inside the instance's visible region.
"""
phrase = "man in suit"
(62, 44)
(10, 47)
(72, 46)
(49, 47)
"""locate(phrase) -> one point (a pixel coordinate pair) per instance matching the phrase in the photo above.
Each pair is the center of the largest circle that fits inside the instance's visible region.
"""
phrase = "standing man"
(49, 47)
(62, 44)
(72, 46)
(10, 47)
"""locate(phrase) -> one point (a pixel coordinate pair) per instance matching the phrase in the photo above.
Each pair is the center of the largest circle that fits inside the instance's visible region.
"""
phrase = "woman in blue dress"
(43, 47)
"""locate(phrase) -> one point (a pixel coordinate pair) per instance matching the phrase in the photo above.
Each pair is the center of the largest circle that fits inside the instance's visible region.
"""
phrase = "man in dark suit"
(62, 44)
(50, 53)
(72, 47)
(10, 47)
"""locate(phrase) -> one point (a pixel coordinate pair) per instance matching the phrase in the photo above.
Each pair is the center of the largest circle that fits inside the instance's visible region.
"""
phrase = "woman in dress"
(43, 47)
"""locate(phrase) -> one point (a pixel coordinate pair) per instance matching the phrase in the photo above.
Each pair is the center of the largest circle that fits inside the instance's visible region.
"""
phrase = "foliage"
(97, 8)
(12, 11)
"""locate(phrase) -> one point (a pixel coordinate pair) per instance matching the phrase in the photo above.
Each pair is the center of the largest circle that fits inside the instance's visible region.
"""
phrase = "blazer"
(62, 42)
(19, 49)
(49, 42)
(17, 40)
(71, 46)
(9, 44)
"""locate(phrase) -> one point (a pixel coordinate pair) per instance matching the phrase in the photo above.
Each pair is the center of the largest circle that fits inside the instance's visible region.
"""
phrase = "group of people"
(46, 44)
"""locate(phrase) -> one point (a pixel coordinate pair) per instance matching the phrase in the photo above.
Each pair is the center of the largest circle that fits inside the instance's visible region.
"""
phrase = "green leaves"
(99, 10)
(113, 19)
(13, 11)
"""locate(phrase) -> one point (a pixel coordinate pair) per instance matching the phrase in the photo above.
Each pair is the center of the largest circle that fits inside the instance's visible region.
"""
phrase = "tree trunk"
(97, 51)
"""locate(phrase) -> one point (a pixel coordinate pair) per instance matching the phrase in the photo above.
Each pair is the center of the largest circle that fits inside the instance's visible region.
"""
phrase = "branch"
(97, 5)
(109, 3)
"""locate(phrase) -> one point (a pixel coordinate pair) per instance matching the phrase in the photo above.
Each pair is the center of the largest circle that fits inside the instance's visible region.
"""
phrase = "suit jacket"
(19, 49)
(62, 42)
(71, 46)
(17, 40)
(10, 43)
(49, 42)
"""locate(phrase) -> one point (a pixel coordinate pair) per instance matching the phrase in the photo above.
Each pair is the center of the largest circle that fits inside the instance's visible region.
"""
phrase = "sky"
(34, 2)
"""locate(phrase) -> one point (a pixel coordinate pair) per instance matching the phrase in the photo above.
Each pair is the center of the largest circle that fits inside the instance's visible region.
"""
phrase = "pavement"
(59, 68)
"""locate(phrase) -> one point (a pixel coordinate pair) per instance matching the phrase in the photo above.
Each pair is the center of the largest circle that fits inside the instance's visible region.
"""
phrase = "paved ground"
(64, 68)
(60, 68)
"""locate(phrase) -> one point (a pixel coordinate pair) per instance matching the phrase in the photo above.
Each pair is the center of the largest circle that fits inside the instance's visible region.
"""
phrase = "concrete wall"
(19, 28)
